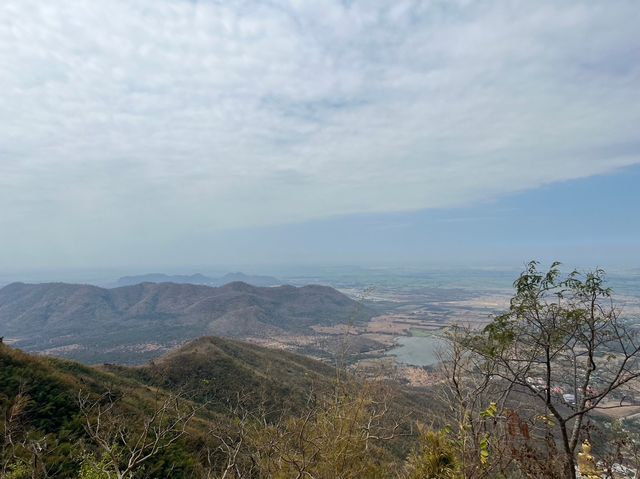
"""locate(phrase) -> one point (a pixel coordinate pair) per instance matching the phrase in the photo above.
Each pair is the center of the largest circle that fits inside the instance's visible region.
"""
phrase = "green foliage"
(19, 470)
(491, 411)
(548, 311)
(177, 461)
(51, 404)
(437, 457)
(93, 468)
(484, 450)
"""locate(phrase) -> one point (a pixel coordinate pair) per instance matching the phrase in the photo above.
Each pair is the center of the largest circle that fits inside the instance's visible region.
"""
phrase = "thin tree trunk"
(569, 462)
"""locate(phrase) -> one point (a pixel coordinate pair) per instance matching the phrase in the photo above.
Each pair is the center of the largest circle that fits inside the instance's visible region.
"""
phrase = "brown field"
(615, 411)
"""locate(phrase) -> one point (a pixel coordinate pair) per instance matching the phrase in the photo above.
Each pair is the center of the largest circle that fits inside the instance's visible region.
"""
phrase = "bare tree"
(471, 404)
(228, 450)
(127, 442)
(562, 345)
(493, 427)
(336, 435)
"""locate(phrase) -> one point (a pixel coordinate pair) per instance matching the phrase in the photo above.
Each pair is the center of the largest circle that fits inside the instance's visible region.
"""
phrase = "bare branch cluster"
(127, 442)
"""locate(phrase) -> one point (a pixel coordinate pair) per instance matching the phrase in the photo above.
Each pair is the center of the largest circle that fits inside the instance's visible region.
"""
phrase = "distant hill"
(132, 324)
(254, 280)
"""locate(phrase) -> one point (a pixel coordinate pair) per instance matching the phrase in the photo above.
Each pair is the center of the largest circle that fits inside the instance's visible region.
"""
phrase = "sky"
(173, 134)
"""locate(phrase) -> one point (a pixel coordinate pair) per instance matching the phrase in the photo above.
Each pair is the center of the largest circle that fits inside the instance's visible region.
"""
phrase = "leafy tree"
(561, 350)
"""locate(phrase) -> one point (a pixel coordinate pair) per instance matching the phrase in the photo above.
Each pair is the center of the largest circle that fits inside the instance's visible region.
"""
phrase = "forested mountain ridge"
(139, 322)
(217, 370)
(208, 408)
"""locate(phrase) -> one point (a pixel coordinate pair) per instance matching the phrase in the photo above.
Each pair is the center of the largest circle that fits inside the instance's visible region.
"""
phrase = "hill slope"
(63, 419)
(215, 370)
(136, 323)
(232, 369)
(209, 369)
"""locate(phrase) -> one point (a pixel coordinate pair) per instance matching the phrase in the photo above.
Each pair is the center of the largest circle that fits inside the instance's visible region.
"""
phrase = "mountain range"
(198, 278)
(132, 324)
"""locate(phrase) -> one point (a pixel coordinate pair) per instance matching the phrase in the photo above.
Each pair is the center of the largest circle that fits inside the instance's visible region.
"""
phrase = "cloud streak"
(165, 118)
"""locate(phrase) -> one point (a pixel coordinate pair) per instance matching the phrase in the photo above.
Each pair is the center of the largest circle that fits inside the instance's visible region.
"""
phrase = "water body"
(418, 350)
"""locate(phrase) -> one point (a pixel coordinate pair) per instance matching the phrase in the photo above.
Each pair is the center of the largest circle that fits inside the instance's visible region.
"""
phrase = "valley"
(401, 333)
(138, 322)
(366, 319)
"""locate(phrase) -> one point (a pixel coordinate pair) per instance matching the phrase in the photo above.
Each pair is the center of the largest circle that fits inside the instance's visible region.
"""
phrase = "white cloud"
(129, 118)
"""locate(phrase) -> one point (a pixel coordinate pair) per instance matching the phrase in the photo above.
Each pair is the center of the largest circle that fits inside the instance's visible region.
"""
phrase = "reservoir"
(418, 350)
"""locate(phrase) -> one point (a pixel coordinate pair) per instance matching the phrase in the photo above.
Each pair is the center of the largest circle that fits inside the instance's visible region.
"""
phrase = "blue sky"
(172, 133)
(585, 223)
